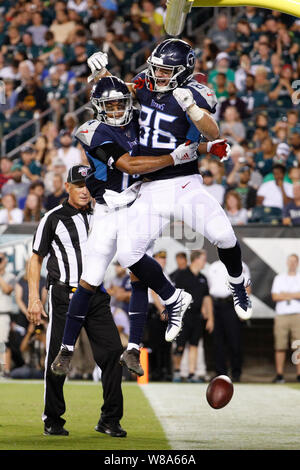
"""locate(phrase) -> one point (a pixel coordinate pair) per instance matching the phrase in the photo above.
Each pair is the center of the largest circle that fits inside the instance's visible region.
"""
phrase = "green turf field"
(21, 406)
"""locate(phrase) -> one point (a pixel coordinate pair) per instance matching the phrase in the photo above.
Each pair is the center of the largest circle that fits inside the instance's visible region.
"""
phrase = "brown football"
(219, 392)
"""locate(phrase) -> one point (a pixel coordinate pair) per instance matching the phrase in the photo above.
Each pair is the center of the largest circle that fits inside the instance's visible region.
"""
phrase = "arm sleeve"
(43, 237)
(108, 153)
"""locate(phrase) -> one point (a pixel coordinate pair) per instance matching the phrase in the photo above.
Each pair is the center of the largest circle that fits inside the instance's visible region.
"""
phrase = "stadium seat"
(266, 215)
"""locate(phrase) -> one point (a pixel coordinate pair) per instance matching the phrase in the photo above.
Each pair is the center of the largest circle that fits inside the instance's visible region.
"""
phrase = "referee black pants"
(227, 338)
(106, 346)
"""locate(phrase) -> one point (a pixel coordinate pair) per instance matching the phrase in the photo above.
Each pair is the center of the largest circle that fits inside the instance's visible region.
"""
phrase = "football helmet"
(112, 101)
(175, 56)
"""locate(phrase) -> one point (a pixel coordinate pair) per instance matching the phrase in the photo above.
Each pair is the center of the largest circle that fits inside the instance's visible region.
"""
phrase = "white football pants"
(179, 199)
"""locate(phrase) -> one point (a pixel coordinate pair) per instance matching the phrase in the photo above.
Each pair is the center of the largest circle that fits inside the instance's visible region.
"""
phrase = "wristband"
(195, 113)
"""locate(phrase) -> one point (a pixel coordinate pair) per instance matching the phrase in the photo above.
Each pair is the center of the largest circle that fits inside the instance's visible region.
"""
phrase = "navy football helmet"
(112, 101)
(175, 56)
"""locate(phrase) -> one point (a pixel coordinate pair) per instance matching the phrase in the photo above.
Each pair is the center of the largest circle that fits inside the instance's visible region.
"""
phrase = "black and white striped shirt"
(61, 236)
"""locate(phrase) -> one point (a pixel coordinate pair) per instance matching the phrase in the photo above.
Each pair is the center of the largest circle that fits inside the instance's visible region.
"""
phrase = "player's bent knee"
(178, 351)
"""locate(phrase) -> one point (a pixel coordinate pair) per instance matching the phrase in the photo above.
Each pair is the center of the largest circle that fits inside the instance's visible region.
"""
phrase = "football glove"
(97, 63)
(185, 153)
(184, 97)
(219, 148)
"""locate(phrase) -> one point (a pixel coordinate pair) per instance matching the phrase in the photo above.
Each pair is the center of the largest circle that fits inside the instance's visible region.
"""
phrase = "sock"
(232, 258)
(150, 273)
(138, 308)
(77, 311)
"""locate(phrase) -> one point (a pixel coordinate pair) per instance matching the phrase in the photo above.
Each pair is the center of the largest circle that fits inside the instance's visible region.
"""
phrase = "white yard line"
(258, 417)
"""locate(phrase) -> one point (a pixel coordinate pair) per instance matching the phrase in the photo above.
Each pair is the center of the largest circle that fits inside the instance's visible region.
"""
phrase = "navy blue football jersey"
(164, 125)
(111, 142)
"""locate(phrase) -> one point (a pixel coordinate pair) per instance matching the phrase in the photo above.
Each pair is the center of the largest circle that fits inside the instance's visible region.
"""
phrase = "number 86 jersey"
(164, 125)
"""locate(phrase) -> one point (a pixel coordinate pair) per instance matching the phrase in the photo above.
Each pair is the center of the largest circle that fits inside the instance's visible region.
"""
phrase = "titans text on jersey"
(164, 125)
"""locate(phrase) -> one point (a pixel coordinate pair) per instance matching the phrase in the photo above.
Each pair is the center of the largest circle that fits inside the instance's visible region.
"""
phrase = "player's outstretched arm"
(97, 62)
(202, 119)
(124, 162)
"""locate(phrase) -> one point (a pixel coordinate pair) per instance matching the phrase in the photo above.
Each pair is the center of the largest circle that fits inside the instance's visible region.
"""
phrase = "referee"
(61, 236)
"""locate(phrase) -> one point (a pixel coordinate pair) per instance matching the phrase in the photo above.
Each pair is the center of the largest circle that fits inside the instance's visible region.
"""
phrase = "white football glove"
(185, 153)
(220, 148)
(184, 97)
(97, 63)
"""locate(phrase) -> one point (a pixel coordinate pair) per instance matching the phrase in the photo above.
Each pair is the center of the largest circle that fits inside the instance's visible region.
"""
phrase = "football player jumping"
(108, 141)
(170, 101)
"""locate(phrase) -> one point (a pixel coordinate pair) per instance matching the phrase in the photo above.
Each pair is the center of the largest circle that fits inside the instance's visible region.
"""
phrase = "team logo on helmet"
(191, 59)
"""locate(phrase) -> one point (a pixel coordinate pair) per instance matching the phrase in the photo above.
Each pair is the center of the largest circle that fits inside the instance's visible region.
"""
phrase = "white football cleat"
(176, 312)
(241, 301)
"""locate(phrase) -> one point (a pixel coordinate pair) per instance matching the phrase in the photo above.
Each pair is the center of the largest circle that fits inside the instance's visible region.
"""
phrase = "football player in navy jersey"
(108, 141)
(171, 101)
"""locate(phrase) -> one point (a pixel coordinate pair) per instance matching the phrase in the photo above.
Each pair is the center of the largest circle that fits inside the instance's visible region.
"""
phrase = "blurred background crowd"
(249, 56)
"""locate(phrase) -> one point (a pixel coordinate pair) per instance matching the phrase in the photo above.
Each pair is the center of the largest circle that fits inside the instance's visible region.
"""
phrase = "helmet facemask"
(153, 82)
(114, 109)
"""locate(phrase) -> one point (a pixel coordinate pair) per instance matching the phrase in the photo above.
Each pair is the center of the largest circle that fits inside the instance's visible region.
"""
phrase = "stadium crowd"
(251, 61)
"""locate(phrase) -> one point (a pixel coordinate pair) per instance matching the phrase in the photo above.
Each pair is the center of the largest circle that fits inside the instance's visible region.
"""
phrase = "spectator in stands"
(286, 293)
(7, 284)
(294, 174)
(181, 261)
(10, 214)
(243, 187)
(11, 41)
(295, 146)
(218, 171)
(244, 37)
(122, 322)
(263, 56)
(32, 97)
(208, 54)
(221, 66)
(58, 195)
(222, 35)
(62, 27)
(291, 211)
(220, 88)
(152, 18)
(280, 132)
(33, 211)
(282, 90)
(100, 27)
(70, 123)
(254, 18)
(233, 208)
(115, 51)
(28, 47)
(15, 185)
(50, 45)
(242, 72)
(292, 121)
(79, 64)
(215, 189)
(261, 83)
(233, 100)
(70, 155)
(286, 46)
(5, 170)
(136, 31)
(264, 159)
(38, 29)
(253, 98)
(232, 128)
(31, 168)
(41, 148)
(58, 167)
(276, 192)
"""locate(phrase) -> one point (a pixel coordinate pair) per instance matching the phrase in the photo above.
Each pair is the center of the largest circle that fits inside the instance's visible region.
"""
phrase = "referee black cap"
(77, 173)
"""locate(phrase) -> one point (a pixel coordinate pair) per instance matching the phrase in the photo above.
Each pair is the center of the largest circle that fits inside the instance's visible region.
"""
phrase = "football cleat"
(241, 301)
(176, 312)
(113, 429)
(131, 359)
(55, 430)
(61, 364)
